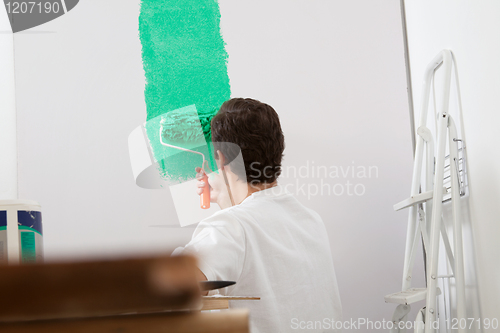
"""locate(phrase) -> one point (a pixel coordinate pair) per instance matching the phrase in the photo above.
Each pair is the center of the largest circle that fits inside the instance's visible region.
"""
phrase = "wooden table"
(222, 302)
(151, 295)
(230, 321)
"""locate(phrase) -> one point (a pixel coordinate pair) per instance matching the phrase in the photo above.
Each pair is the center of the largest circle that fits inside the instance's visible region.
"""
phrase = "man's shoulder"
(223, 217)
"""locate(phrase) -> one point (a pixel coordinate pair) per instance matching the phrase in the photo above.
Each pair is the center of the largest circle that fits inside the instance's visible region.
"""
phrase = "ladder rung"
(409, 296)
(415, 200)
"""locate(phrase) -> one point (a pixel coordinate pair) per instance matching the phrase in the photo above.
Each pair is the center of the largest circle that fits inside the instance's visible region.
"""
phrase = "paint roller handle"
(203, 186)
(205, 195)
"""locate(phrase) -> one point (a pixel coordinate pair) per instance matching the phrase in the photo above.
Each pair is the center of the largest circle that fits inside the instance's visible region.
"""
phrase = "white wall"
(334, 71)
(80, 93)
(472, 31)
(8, 143)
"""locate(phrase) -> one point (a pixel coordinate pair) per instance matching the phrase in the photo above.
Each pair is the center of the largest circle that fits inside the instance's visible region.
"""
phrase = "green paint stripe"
(22, 227)
(185, 63)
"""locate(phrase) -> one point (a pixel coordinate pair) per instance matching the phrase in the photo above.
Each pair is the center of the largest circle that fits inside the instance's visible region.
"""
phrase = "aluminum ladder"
(425, 204)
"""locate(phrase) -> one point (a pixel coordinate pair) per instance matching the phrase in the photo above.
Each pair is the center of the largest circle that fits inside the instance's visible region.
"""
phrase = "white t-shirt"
(278, 250)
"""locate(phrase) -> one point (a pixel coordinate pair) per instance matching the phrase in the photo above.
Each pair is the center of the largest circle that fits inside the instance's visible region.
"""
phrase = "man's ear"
(221, 161)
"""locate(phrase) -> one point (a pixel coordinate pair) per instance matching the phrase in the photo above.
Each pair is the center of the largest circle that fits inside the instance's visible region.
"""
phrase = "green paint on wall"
(185, 64)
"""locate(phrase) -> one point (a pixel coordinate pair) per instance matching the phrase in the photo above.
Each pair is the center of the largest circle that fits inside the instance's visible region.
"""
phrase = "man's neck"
(242, 190)
(253, 188)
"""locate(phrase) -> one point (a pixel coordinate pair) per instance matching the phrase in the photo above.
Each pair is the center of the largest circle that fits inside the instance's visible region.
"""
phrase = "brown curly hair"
(254, 127)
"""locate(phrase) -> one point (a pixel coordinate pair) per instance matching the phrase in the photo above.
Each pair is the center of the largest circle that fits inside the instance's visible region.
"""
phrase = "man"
(263, 238)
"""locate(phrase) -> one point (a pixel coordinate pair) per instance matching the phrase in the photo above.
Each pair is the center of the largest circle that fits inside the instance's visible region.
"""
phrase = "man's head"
(255, 128)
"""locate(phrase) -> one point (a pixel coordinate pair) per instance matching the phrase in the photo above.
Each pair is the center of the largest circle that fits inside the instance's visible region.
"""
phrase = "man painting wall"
(268, 242)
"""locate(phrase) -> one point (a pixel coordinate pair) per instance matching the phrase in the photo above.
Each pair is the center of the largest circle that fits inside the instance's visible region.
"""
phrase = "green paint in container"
(21, 239)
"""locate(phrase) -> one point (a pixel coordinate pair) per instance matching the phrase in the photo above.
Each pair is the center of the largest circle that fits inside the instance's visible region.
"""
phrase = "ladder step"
(409, 296)
(415, 200)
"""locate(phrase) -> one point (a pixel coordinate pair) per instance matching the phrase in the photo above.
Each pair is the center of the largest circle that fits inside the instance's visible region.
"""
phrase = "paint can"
(21, 239)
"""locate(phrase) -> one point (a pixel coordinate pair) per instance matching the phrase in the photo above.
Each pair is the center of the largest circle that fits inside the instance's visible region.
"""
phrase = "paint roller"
(172, 140)
(181, 126)
(205, 196)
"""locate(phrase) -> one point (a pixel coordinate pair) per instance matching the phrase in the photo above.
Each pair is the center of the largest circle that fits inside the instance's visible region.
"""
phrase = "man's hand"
(200, 173)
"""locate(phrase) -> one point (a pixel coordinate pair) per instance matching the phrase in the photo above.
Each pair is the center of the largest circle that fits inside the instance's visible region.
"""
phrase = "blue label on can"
(3, 218)
(31, 219)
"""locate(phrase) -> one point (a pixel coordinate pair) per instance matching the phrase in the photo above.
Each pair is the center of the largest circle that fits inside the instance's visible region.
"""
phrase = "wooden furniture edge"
(230, 321)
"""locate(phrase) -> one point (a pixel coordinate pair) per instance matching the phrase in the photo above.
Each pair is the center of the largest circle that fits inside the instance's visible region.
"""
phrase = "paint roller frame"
(205, 195)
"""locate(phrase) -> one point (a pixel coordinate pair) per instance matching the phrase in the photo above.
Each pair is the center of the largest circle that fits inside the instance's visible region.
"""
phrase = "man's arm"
(219, 244)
